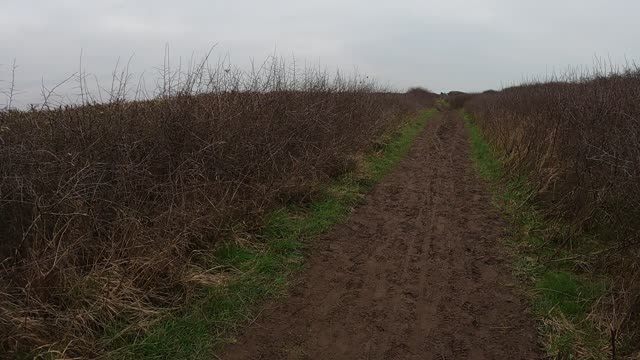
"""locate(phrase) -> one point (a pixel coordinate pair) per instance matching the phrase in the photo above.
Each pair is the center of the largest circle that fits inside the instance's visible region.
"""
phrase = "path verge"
(251, 268)
(564, 293)
(416, 271)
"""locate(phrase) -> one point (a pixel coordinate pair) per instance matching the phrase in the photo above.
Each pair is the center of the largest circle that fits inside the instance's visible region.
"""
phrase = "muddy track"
(417, 272)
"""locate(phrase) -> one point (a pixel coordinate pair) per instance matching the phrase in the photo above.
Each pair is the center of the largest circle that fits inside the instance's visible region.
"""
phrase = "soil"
(417, 272)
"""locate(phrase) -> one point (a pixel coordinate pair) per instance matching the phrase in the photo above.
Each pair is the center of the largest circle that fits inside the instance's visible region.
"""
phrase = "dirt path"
(415, 273)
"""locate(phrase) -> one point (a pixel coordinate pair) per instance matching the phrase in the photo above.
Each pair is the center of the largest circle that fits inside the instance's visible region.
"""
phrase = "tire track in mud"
(416, 272)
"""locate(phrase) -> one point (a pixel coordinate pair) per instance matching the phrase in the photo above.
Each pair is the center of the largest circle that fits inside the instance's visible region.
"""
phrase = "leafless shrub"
(10, 92)
(103, 205)
(457, 99)
(577, 139)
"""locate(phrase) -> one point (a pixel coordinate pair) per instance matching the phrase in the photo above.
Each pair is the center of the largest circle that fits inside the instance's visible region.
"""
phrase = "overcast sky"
(443, 45)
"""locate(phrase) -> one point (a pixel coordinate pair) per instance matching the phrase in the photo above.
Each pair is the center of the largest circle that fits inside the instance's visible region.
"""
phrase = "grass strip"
(562, 291)
(259, 270)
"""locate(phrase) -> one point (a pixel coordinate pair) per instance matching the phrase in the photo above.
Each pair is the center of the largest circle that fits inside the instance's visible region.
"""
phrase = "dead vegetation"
(107, 210)
(576, 139)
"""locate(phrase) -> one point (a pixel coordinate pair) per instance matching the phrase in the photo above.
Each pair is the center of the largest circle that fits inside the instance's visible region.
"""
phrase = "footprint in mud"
(409, 297)
(467, 307)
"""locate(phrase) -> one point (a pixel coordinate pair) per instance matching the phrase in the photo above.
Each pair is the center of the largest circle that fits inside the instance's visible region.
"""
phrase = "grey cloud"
(443, 45)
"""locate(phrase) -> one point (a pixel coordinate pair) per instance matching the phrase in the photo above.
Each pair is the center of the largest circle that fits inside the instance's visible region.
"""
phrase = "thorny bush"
(106, 209)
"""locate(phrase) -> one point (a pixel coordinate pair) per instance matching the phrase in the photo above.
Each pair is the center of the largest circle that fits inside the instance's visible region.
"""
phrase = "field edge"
(563, 296)
(252, 267)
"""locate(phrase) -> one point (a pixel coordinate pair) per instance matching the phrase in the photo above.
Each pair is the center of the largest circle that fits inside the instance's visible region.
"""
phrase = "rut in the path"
(417, 272)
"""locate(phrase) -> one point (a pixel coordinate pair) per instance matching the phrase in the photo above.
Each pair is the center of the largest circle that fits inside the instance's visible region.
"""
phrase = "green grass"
(562, 292)
(259, 270)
